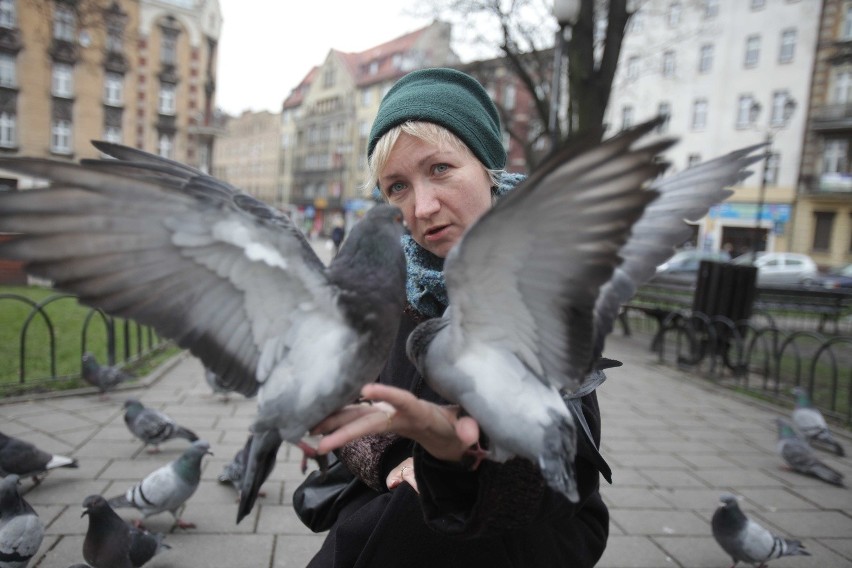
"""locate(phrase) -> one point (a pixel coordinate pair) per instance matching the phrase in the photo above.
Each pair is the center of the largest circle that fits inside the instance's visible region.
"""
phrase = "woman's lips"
(436, 233)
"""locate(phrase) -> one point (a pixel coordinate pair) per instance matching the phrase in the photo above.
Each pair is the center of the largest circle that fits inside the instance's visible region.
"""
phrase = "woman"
(436, 151)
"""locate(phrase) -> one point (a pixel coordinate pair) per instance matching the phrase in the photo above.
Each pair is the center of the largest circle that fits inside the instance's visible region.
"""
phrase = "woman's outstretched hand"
(438, 429)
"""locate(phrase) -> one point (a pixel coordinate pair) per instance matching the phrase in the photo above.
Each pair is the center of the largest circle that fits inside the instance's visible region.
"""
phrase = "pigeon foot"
(473, 456)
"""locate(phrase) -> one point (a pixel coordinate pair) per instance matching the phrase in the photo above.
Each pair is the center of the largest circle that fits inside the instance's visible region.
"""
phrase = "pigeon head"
(376, 238)
(89, 361)
(728, 500)
(132, 406)
(94, 504)
(802, 398)
(419, 339)
(188, 465)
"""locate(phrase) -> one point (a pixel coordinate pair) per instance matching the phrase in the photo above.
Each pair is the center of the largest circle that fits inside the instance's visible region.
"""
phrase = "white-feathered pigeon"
(21, 531)
(223, 274)
(811, 423)
(24, 459)
(113, 543)
(103, 377)
(747, 541)
(153, 426)
(799, 456)
(168, 487)
(536, 283)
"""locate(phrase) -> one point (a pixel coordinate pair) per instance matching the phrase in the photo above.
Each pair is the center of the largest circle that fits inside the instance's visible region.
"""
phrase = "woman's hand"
(402, 472)
(437, 428)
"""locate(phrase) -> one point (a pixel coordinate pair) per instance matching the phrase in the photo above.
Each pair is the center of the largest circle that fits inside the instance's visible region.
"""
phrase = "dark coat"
(501, 515)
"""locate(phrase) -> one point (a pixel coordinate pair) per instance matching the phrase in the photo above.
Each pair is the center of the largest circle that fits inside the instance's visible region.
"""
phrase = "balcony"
(832, 117)
(837, 185)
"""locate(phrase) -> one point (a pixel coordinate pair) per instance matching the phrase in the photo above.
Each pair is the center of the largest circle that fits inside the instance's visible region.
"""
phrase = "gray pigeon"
(168, 487)
(113, 543)
(152, 426)
(234, 471)
(21, 531)
(811, 423)
(531, 303)
(24, 459)
(747, 541)
(799, 456)
(104, 378)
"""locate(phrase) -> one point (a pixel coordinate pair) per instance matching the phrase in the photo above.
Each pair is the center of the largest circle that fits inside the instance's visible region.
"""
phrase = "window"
(705, 58)
(823, 226)
(62, 81)
(626, 117)
(779, 103)
(8, 18)
(166, 103)
(509, 96)
(664, 109)
(788, 46)
(166, 145)
(367, 96)
(60, 136)
(113, 89)
(711, 8)
(699, 114)
(835, 156)
(758, 4)
(752, 52)
(8, 130)
(744, 105)
(842, 92)
(632, 67)
(168, 47)
(693, 160)
(112, 134)
(329, 76)
(847, 22)
(773, 166)
(8, 71)
(673, 15)
(668, 63)
(64, 23)
(114, 40)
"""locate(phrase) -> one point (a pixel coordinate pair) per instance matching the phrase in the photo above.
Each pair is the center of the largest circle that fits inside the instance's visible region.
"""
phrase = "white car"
(780, 268)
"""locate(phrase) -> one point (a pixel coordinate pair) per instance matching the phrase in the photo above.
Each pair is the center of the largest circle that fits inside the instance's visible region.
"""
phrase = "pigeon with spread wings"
(225, 275)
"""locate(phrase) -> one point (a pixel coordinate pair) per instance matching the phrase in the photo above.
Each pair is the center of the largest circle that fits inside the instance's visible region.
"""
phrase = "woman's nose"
(426, 201)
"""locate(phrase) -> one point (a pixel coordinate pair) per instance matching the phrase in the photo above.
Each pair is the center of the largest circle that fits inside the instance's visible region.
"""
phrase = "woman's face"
(441, 191)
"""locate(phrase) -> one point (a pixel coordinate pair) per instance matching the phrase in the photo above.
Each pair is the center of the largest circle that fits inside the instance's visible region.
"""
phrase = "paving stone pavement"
(674, 443)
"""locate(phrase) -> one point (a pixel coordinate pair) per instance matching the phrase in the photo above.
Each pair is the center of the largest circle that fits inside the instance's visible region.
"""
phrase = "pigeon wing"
(148, 239)
(525, 277)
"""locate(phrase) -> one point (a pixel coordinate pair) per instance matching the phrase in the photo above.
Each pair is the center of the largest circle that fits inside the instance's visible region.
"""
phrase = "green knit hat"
(451, 99)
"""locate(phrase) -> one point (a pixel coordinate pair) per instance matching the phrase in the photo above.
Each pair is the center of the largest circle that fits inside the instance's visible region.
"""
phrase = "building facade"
(727, 74)
(247, 155)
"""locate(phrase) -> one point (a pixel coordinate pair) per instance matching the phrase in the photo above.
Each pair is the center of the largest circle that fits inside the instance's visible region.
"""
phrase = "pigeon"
(168, 487)
(747, 541)
(811, 423)
(216, 385)
(530, 303)
(24, 459)
(226, 276)
(104, 378)
(21, 531)
(113, 543)
(152, 426)
(234, 471)
(799, 456)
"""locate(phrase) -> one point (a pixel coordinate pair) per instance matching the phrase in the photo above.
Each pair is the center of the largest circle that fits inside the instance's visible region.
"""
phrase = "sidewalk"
(673, 442)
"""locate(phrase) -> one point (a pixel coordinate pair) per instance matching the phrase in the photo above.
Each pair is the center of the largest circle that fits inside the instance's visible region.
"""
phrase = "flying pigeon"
(104, 378)
(168, 487)
(747, 541)
(811, 423)
(530, 303)
(113, 543)
(24, 459)
(152, 426)
(234, 471)
(799, 456)
(21, 531)
(224, 275)
(216, 386)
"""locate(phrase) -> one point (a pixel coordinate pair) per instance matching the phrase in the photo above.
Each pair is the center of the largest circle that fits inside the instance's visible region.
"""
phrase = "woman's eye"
(440, 168)
(395, 187)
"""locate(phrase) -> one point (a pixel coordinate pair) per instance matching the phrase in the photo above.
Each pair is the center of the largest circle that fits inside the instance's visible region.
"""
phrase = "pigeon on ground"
(537, 282)
(747, 541)
(21, 531)
(113, 543)
(168, 487)
(78, 565)
(811, 423)
(104, 378)
(216, 385)
(234, 471)
(152, 426)
(24, 459)
(799, 456)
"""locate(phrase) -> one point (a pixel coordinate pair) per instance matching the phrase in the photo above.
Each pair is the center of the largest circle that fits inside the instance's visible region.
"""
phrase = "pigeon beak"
(84, 513)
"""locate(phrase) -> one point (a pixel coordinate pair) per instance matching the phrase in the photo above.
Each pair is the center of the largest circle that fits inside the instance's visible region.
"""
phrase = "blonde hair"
(428, 132)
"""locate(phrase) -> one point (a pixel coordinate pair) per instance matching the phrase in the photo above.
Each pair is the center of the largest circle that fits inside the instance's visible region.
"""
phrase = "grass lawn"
(75, 329)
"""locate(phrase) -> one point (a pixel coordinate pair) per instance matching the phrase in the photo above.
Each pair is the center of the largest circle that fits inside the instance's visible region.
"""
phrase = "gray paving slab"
(675, 443)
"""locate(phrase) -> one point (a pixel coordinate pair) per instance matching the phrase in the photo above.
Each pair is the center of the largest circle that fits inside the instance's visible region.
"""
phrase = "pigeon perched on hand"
(168, 487)
(535, 285)
(24, 459)
(224, 275)
(811, 423)
(747, 541)
(104, 378)
(113, 543)
(21, 531)
(799, 456)
(152, 426)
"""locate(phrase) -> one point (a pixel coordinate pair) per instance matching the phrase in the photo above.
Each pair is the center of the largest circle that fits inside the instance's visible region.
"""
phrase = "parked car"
(780, 268)
(833, 279)
(688, 261)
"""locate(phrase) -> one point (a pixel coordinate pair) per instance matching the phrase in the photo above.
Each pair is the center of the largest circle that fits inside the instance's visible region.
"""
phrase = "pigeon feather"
(103, 377)
(21, 530)
(799, 456)
(26, 460)
(111, 542)
(153, 426)
(810, 422)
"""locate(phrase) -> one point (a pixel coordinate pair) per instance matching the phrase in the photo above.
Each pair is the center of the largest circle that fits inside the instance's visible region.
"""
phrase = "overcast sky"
(267, 47)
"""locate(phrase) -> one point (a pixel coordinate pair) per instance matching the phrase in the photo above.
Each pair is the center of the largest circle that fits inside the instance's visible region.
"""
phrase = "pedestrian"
(436, 151)
(337, 234)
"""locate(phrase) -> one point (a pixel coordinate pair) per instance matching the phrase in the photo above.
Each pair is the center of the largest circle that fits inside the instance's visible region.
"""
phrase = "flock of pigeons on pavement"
(536, 283)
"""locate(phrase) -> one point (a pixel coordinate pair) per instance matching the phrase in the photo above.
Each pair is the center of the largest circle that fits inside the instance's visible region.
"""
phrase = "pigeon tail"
(791, 547)
(824, 439)
(827, 474)
(261, 461)
(61, 461)
(185, 433)
(557, 461)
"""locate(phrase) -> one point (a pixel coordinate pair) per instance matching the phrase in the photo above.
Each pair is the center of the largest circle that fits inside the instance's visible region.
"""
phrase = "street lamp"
(566, 13)
(787, 111)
